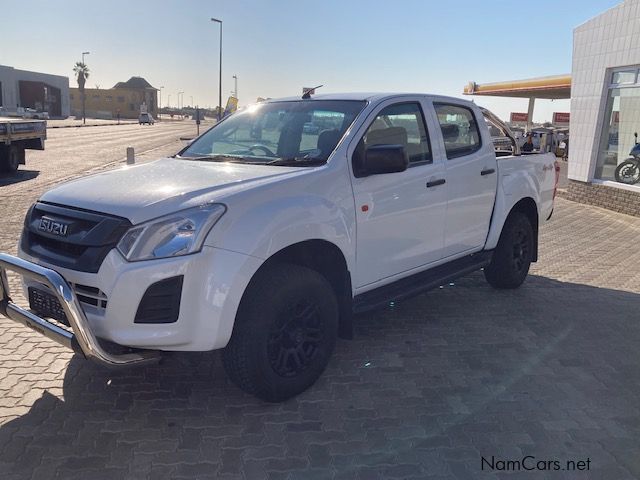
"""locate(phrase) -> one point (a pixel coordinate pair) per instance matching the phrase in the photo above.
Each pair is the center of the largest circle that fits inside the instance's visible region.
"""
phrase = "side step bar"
(82, 340)
(420, 282)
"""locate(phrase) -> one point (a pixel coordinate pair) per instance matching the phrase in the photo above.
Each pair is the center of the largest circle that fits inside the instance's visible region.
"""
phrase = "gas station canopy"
(554, 88)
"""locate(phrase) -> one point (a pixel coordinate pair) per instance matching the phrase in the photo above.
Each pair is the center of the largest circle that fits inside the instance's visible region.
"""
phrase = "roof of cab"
(364, 96)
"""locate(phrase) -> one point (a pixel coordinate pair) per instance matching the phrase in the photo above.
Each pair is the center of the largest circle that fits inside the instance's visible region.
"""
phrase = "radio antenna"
(307, 94)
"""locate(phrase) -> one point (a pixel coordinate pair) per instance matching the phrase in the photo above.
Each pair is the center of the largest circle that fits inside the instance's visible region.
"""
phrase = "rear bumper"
(81, 339)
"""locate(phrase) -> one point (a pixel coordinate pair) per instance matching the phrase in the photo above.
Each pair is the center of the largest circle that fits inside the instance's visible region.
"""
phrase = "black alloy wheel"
(521, 247)
(513, 255)
(284, 333)
(295, 338)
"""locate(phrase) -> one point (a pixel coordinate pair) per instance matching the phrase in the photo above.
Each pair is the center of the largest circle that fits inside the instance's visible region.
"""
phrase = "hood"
(150, 190)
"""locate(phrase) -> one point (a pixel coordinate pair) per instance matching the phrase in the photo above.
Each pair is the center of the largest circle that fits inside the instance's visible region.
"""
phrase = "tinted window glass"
(400, 124)
(459, 129)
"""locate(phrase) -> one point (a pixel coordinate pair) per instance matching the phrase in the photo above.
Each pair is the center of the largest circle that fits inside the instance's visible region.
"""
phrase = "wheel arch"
(528, 207)
(327, 259)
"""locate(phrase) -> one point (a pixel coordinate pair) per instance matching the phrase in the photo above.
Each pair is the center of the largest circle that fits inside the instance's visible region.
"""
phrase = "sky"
(277, 47)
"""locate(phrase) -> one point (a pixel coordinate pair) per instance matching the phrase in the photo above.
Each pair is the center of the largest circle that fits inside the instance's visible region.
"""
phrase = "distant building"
(41, 91)
(125, 97)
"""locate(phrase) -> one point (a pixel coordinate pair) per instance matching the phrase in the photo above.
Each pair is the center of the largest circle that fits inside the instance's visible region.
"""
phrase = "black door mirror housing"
(379, 159)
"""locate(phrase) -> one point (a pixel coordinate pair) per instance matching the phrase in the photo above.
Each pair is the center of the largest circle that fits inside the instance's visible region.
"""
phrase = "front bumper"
(81, 339)
(214, 281)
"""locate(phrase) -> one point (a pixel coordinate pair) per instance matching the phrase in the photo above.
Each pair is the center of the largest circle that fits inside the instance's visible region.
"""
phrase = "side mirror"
(380, 159)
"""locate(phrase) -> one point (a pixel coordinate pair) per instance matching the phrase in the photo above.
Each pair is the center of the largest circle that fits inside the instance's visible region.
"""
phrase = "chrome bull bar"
(81, 340)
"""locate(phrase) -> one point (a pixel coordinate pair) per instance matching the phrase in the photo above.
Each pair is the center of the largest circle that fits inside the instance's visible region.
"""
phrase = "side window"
(399, 124)
(459, 129)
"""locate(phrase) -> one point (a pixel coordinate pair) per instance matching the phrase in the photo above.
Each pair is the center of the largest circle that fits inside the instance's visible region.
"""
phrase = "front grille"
(55, 246)
(46, 304)
(80, 241)
(90, 296)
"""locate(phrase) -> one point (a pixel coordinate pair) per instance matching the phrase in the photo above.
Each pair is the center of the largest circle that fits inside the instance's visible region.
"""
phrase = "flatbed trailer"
(16, 136)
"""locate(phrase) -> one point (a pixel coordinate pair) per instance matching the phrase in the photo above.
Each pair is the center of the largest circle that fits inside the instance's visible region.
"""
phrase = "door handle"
(435, 183)
(488, 171)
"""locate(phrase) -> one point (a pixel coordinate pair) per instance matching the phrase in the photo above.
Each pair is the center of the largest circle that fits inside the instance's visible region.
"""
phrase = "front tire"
(285, 331)
(513, 255)
(628, 172)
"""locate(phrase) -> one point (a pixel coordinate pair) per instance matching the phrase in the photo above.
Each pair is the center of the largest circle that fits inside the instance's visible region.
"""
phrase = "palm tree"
(82, 73)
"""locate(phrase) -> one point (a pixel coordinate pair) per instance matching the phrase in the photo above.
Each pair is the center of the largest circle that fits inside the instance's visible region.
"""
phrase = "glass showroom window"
(621, 124)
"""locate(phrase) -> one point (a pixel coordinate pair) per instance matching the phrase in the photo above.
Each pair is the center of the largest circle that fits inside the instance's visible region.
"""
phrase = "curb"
(105, 124)
(91, 125)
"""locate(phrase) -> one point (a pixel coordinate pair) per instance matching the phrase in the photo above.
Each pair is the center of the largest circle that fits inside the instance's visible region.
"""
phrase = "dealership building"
(41, 91)
(604, 87)
(605, 107)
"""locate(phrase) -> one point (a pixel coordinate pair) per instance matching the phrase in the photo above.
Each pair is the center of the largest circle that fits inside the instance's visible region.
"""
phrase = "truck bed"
(12, 129)
(538, 168)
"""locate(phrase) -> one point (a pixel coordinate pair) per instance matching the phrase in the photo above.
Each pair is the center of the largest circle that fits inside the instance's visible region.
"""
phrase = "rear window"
(459, 128)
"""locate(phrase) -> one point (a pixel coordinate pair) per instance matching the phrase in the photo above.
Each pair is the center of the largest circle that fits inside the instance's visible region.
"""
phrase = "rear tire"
(628, 172)
(285, 331)
(512, 257)
(10, 158)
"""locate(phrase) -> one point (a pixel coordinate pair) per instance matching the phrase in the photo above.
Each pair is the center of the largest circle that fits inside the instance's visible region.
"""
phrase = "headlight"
(180, 233)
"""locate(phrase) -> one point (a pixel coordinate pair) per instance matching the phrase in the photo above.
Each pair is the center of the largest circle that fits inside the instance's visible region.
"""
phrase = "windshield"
(279, 133)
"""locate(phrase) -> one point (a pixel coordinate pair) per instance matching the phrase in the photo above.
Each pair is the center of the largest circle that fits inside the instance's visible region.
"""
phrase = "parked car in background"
(21, 112)
(146, 118)
(35, 114)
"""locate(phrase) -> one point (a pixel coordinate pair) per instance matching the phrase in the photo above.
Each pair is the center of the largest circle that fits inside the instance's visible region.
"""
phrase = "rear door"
(400, 216)
(471, 172)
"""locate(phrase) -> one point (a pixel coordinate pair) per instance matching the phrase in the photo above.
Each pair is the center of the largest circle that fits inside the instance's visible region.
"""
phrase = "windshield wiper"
(217, 158)
(297, 162)
(285, 162)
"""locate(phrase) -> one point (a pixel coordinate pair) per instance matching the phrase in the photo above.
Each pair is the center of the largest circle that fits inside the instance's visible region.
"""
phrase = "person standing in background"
(565, 154)
(528, 145)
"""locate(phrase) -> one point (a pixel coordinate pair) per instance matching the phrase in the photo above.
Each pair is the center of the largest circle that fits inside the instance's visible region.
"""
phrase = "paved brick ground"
(427, 388)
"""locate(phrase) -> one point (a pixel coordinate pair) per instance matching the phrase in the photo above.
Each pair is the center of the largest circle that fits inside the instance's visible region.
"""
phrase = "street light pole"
(235, 88)
(191, 96)
(169, 101)
(84, 96)
(220, 73)
(160, 105)
(179, 108)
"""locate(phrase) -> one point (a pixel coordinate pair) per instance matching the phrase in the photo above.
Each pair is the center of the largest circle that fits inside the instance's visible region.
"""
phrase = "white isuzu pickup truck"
(267, 233)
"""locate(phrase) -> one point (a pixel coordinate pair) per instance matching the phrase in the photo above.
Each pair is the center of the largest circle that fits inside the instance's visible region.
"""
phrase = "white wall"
(609, 40)
(9, 87)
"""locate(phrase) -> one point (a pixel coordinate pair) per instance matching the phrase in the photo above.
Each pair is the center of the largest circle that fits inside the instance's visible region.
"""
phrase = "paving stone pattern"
(427, 388)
